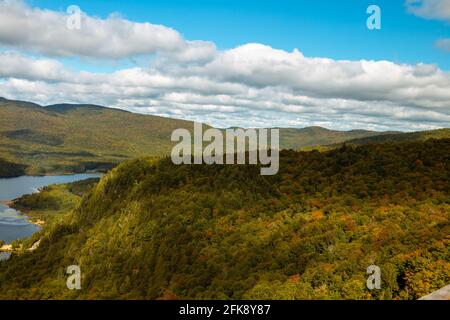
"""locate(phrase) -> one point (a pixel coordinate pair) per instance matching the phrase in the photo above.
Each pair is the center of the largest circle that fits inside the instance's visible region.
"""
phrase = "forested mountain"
(385, 137)
(150, 229)
(403, 137)
(318, 136)
(73, 138)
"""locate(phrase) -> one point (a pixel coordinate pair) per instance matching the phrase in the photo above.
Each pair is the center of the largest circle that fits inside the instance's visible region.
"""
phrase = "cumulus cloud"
(430, 9)
(47, 32)
(261, 66)
(252, 85)
(18, 66)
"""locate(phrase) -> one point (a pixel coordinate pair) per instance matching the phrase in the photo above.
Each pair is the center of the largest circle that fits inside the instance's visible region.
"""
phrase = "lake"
(13, 225)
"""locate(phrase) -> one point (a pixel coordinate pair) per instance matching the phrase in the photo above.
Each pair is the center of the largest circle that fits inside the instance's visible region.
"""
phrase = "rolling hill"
(75, 138)
(68, 138)
(385, 138)
(318, 136)
(402, 137)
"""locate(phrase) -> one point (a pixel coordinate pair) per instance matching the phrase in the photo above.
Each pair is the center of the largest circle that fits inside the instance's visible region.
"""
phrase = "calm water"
(4, 256)
(13, 225)
(12, 188)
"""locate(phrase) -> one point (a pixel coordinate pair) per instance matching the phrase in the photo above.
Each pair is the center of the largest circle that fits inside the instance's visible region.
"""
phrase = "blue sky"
(334, 29)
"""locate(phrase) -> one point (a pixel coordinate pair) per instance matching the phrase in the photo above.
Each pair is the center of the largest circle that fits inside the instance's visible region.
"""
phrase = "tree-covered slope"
(9, 169)
(150, 229)
(403, 137)
(318, 136)
(385, 137)
(74, 138)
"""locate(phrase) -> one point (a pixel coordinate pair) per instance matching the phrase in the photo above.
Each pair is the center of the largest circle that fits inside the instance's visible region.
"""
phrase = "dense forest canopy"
(150, 230)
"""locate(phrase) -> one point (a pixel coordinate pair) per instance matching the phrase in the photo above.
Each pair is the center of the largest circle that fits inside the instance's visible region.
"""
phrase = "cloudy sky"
(235, 63)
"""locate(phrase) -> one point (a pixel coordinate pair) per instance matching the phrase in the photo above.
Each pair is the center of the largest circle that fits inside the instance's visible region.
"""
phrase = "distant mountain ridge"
(67, 138)
(313, 136)
(66, 107)
(404, 137)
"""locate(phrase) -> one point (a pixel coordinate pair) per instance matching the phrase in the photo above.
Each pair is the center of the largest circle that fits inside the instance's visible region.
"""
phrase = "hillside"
(74, 138)
(383, 138)
(150, 229)
(402, 137)
(9, 169)
(318, 136)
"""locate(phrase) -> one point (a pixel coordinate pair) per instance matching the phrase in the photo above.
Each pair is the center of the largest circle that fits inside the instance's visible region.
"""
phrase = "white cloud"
(430, 9)
(250, 85)
(18, 66)
(46, 32)
(274, 88)
(260, 66)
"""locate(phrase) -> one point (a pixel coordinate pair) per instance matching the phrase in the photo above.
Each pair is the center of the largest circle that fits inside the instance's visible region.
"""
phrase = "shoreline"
(31, 218)
(35, 221)
(38, 222)
(56, 173)
(7, 203)
(34, 218)
(6, 248)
